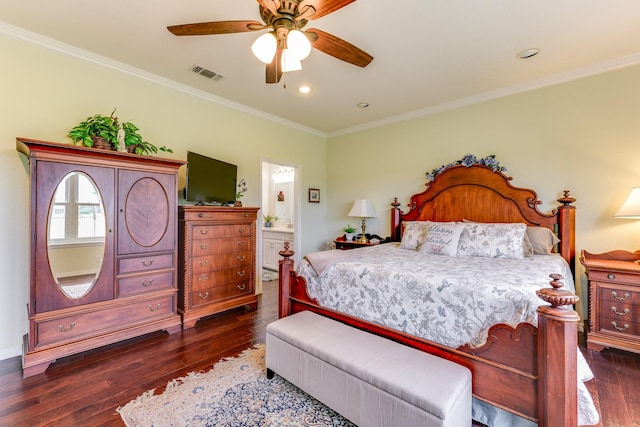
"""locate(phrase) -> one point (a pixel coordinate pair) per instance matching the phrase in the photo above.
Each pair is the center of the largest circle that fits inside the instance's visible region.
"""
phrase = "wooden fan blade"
(271, 5)
(274, 69)
(338, 48)
(220, 27)
(323, 7)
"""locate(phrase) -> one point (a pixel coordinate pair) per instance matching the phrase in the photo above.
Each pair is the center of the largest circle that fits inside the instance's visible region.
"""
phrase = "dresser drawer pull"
(615, 295)
(201, 278)
(203, 263)
(205, 246)
(200, 215)
(242, 287)
(611, 276)
(242, 230)
(204, 232)
(241, 258)
(147, 263)
(241, 244)
(205, 296)
(147, 284)
(152, 308)
(63, 329)
(615, 325)
(626, 311)
(241, 273)
(246, 215)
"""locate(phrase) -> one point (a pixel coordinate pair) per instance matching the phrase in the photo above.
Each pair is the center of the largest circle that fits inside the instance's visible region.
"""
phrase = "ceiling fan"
(285, 19)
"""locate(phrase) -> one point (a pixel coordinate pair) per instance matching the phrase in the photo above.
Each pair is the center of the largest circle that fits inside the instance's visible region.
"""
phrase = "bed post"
(566, 230)
(396, 234)
(557, 355)
(285, 268)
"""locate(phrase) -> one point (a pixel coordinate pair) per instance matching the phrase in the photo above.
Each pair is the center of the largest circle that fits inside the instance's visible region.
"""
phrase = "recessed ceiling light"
(528, 53)
(304, 89)
(362, 104)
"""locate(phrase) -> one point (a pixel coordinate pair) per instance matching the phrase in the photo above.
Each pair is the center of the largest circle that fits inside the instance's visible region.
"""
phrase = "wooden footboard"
(528, 371)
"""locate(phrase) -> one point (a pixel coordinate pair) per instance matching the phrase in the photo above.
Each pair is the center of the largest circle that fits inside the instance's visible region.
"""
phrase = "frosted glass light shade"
(363, 209)
(631, 207)
(264, 48)
(290, 62)
(298, 44)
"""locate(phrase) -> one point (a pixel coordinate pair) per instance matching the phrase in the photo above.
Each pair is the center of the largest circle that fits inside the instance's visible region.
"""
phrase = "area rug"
(235, 392)
(269, 275)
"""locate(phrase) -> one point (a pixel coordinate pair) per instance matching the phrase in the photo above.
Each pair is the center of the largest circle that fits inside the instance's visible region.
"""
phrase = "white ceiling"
(429, 55)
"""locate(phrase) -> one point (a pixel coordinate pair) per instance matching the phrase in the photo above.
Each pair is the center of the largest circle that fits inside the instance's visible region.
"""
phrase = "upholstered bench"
(370, 380)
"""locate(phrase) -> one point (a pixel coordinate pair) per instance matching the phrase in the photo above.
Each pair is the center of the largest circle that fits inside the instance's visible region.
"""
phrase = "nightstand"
(614, 300)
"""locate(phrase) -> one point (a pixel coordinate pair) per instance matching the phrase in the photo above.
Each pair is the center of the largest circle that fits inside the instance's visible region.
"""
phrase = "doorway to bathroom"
(280, 214)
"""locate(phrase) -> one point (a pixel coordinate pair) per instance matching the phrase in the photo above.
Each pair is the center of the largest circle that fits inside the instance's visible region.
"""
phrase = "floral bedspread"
(449, 300)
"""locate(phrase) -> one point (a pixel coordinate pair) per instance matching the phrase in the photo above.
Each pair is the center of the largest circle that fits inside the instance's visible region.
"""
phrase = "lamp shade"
(631, 207)
(264, 48)
(298, 44)
(363, 209)
(290, 62)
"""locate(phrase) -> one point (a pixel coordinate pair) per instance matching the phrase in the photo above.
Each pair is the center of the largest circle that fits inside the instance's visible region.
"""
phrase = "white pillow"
(413, 234)
(492, 240)
(442, 238)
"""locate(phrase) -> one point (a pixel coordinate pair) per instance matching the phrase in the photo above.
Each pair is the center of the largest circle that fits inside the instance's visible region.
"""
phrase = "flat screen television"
(210, 181)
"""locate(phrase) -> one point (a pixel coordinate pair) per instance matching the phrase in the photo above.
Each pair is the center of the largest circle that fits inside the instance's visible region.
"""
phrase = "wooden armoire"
(103, 249)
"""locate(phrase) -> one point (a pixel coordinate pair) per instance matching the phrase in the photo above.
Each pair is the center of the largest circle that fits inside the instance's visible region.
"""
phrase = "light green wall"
(43, 94)
(583, 136)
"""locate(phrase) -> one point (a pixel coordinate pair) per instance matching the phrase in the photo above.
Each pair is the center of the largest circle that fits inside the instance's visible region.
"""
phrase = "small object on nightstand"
(614, 300)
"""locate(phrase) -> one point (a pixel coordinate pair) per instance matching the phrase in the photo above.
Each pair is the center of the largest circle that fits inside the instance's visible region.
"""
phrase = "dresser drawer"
(614, 277)
(146, 263)
(620, 325)
(619, 294)
(221, 277)
(220, 293)
(227, 214)
(205, 264)
(213, 231)
(89, 324)
(145, 283)
(206, 247)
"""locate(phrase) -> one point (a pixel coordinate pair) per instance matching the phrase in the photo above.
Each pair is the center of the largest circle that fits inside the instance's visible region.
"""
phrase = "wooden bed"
(528, 371)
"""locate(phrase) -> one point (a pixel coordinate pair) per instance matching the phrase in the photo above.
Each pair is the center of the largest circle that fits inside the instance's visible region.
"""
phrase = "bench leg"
(270, 374)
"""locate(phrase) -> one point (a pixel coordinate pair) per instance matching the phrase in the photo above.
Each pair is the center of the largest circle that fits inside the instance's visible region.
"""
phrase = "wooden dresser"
(103, 249)
(217, 260)
(614, 300)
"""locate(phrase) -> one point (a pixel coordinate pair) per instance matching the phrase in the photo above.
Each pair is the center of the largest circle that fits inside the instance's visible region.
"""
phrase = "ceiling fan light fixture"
(290, 62)
(264, 48)
(298, 44)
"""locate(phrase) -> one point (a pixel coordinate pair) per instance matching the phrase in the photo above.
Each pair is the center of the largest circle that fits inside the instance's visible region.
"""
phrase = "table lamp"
(631, 207)
(363, 209)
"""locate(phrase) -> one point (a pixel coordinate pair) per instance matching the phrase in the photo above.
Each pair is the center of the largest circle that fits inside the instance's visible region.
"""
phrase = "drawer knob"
(241, 230)
(205, 296)
(154, 308)
(619, 313)
(203, 263)
(611, 276)
(242, 287)
(621, 329)
(204, 232)
(147, 263)
(201, 278)
(200, 215)
(147, 284)
(63, 329)
(205, 246)
(241, 244)
(615, 295)
(241, 273)
(241, 258)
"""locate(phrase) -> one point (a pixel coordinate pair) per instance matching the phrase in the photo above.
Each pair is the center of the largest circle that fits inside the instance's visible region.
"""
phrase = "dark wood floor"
(86, 389)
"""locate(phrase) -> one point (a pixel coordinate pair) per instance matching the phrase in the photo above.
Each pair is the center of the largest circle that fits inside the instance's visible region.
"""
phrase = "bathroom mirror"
(76, 229)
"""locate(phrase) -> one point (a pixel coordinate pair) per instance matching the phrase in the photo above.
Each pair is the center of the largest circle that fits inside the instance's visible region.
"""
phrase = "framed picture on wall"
(314, 195)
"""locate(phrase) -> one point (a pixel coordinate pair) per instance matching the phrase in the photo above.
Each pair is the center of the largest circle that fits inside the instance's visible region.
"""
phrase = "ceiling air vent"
(198, 69)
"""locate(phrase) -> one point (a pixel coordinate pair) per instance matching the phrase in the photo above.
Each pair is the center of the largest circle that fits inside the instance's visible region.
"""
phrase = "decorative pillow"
(414, 234)
(542, 240)
(492, 240)
(442, 238)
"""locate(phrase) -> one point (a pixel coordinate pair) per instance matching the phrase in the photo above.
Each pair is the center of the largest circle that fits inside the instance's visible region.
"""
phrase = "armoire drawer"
(219, 293)
(145, 283)
(86, 324)
(145, 263)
